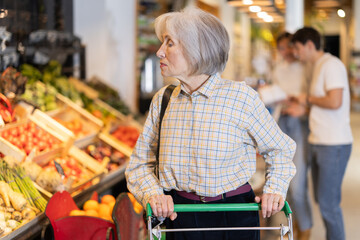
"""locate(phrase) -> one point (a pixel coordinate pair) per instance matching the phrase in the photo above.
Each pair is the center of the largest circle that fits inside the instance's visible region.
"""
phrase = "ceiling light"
(262, 14)
(341, 13)
(268, 18)
(247, 2)
(255, 9)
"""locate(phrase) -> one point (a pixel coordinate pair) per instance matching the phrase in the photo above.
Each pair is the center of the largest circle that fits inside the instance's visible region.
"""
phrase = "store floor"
(350, 194)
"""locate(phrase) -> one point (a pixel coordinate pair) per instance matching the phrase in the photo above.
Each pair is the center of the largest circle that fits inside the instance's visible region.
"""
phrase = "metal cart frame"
(157, 230)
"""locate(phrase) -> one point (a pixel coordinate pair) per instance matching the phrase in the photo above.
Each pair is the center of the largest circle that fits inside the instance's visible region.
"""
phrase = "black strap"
(164, 104)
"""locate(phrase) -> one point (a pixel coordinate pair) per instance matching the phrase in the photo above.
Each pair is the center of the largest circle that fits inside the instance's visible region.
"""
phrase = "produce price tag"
(59, 169)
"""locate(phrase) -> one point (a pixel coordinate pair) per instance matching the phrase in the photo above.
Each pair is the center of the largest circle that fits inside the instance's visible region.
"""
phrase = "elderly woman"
(209, 135)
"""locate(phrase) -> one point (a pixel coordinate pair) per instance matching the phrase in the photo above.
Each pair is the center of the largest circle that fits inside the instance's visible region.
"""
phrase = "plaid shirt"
(208, 143)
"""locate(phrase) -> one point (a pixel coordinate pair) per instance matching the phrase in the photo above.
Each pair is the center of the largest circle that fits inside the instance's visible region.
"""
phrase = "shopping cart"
(157, 230)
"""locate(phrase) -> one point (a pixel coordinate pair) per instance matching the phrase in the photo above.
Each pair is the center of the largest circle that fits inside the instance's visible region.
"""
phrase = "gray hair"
(203, 38)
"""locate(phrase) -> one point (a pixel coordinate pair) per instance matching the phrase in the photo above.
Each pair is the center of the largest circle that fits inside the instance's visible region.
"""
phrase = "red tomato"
(5, 134)
(31, 125)
(42, 145)
(14, 132)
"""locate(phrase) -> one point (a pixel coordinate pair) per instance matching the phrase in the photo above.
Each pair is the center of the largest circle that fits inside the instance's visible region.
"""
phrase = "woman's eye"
(170, 44)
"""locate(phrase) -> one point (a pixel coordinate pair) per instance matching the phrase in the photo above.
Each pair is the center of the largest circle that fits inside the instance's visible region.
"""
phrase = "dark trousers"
(215, 219)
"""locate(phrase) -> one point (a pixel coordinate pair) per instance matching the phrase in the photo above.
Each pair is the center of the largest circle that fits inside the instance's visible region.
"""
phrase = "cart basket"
(223, 207)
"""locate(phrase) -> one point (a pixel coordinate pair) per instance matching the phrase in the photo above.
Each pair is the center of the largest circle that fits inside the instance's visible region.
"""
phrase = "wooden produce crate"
(45, 132)
(104, 150)
(84, 88)
(75, 160)
(83, 124)
(117, 132)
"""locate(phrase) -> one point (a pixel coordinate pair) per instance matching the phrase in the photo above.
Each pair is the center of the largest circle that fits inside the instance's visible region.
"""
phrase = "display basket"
(156, 231)
(41, 121)
(84, 160)
(123, 141)
(94, 96)
(71, 113)
(76, 227)
(104, 150)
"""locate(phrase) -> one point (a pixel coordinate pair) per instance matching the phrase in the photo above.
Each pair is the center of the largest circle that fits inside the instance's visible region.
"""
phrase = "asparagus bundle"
(20, 183)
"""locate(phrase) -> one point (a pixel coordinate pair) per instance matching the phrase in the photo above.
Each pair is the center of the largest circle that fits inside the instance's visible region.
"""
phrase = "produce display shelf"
(29, 230)
(81, 157)
(70, 111)
(107, 182)
(33, 228)
(42, 121)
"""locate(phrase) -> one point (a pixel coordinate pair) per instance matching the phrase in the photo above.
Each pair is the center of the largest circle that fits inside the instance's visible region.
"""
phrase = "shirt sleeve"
(335, 75)
(276, 147)
(140, 177)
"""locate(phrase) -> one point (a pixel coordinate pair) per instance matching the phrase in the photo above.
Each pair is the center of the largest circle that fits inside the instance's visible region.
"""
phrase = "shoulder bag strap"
(164, 104)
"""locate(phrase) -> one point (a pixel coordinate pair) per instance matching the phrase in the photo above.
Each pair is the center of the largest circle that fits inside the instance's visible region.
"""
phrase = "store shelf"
(35, 226)
(107, 182)
(29, 230)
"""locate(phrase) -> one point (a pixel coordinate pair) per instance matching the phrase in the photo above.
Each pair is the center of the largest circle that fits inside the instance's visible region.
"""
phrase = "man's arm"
(332, 99)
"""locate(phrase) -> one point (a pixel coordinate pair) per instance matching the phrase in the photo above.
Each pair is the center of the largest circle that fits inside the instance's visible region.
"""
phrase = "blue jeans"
(298, 194)
(328, 164)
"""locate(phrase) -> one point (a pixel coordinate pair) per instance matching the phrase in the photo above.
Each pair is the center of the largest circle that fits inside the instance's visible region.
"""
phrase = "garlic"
(12, 223)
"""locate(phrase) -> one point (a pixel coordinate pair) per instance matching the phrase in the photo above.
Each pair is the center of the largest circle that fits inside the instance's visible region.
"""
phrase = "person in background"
(289, 75)
(330, 135)
(209, 136)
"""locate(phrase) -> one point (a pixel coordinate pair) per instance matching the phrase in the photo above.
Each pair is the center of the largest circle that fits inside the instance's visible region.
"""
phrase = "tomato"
(31, 125)
(21, 129)
(23, 139)
(14, 132)
(5, 134)
(42, 145)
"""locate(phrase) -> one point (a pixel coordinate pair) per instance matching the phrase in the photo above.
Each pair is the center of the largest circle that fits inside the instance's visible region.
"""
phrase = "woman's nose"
(160, 53)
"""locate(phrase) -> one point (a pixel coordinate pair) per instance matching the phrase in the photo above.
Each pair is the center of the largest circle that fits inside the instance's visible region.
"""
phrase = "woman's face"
(172, 60)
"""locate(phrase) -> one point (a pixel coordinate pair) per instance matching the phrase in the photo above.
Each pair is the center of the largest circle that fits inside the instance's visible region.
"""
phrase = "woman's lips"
(162, 65)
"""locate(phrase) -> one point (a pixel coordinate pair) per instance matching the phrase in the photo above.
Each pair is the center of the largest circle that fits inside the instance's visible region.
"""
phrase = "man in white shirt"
(289, 75)
(329, 121)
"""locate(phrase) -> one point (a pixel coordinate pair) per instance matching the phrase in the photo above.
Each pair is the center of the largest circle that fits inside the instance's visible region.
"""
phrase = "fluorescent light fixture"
(268, 18)
(262, 14)
(247, 2)
(341, 13)
(255, 9)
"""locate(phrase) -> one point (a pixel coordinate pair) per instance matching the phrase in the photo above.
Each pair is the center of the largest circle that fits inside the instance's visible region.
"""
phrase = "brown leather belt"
(192, 196)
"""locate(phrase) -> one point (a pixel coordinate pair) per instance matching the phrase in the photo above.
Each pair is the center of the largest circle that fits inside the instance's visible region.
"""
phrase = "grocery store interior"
(77, 80)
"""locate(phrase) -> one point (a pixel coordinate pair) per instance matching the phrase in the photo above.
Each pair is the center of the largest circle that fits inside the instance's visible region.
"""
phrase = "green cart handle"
(221, 207)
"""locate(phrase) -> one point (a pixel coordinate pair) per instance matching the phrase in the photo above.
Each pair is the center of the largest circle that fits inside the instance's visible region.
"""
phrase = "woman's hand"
(271, 203)
(163, 206)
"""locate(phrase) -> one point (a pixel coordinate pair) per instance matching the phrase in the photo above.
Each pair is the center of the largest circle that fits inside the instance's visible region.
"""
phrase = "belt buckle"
(202, 198)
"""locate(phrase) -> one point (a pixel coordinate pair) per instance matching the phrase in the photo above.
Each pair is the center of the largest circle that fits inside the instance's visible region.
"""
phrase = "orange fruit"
(111, 206)
(91, 205)
(132, 198)
(77, 212)
(138, 207)
(107, 199)
(92, 213)
(104, 210)
(106, 218)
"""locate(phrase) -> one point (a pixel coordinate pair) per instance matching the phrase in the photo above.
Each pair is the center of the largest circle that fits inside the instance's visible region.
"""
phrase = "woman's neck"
(193, 83)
